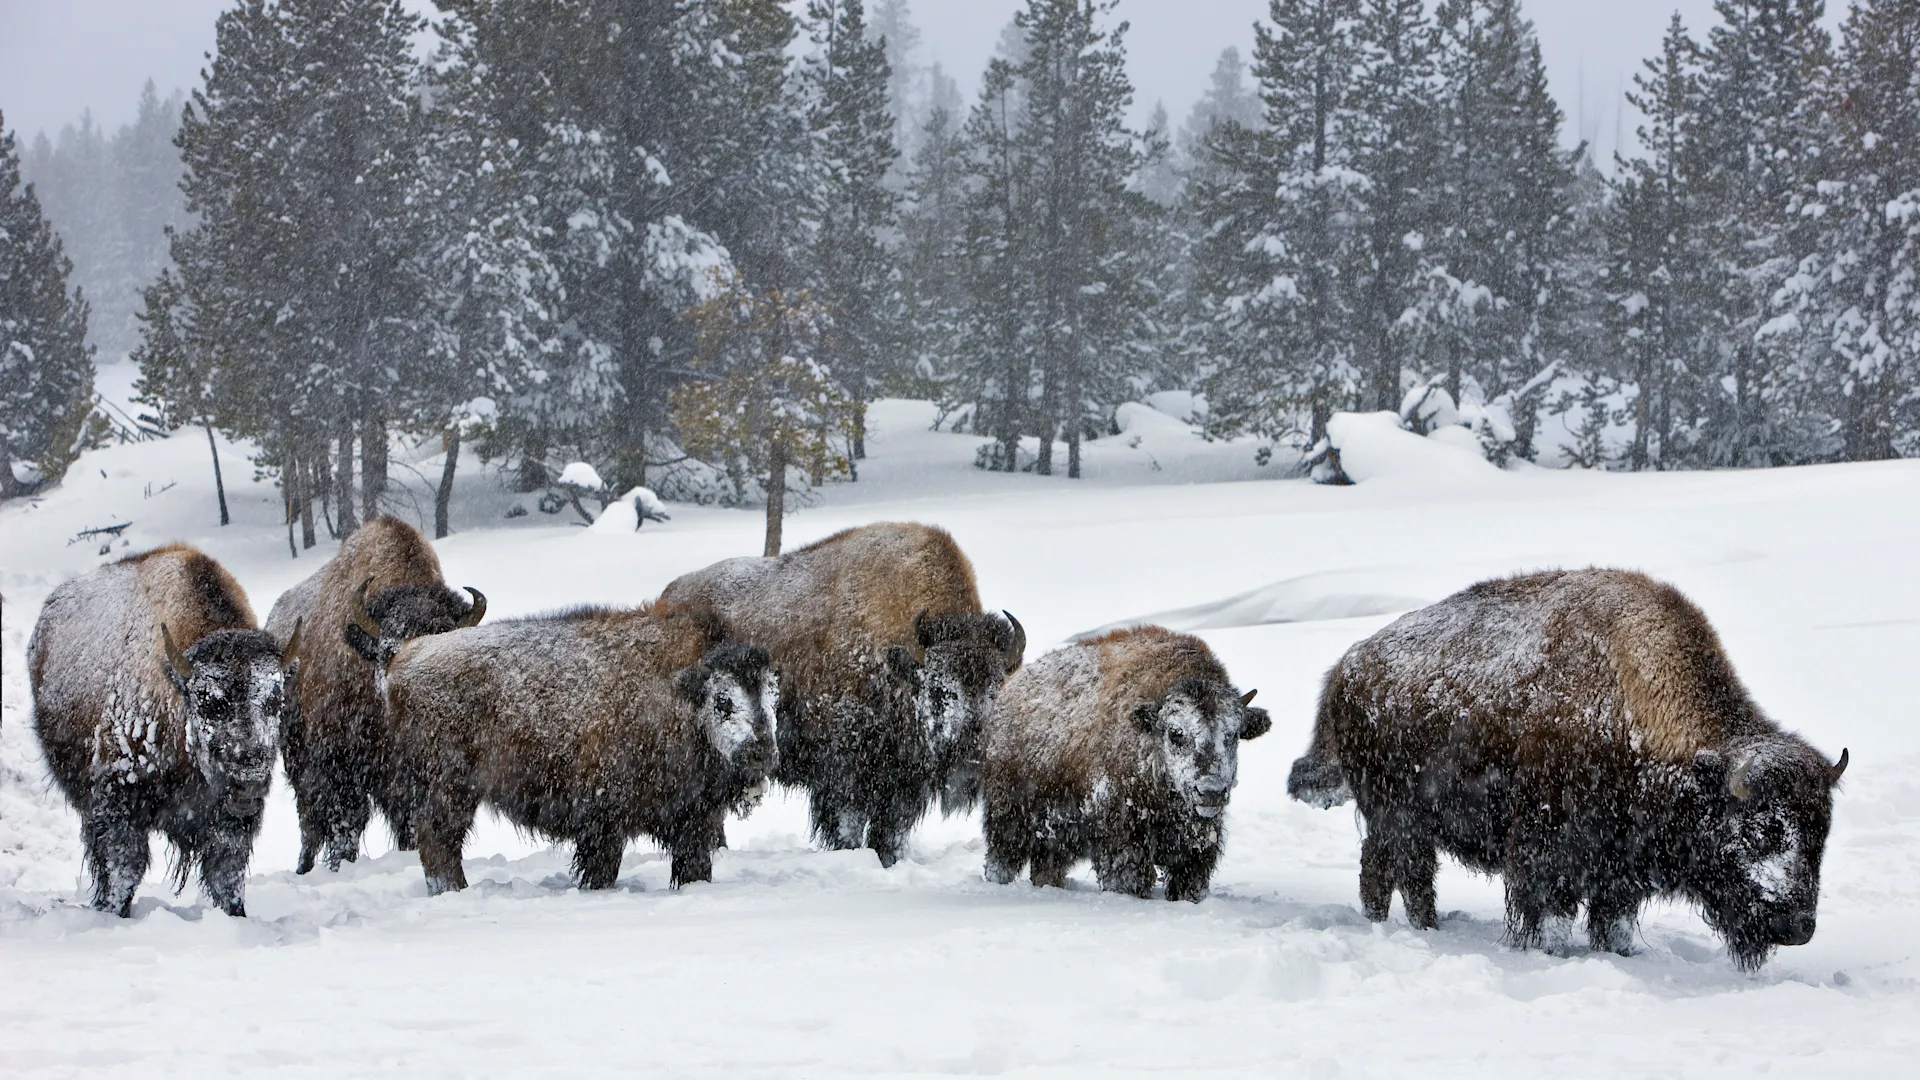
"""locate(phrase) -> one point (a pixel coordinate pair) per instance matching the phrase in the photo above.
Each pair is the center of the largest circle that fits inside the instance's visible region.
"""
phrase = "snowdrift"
(1373, 447)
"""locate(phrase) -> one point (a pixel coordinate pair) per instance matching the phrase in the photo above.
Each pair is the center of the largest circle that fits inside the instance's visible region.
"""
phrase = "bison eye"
(723, 705)
(1177, 737)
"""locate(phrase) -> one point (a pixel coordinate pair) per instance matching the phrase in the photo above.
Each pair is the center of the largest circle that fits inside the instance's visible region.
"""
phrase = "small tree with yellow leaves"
(764, 405)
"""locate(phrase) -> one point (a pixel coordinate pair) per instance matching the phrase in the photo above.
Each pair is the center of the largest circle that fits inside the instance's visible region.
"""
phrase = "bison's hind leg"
(441, 827)
(1612, 917)
(1398, 854)
(1009, 841)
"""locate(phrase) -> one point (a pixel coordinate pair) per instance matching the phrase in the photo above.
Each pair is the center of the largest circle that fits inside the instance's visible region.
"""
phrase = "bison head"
(234, 684)
(380, 624)
(1195, 731)
(1757, 869)
(735, 694)
(964, 659)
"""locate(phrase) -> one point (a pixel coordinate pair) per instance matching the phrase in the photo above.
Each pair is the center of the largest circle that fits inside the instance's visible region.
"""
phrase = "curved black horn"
(475, 613)
(359, 611)
(1839, 767)
(1247, 698)
(176, 659)
(1019, 650)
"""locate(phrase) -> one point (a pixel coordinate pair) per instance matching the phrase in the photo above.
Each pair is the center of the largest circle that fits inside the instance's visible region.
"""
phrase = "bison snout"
(1794, 929)
(1211, 798)
(245, 799)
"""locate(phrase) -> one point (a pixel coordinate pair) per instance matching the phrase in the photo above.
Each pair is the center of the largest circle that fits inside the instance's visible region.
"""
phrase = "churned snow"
(795, 961)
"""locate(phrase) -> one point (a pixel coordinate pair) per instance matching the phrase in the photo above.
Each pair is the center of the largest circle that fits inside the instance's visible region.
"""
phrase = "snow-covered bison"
(382, 589)
(1122, 749)
(887, 664)
(1583, 734)
(594, 726)
(158, 704)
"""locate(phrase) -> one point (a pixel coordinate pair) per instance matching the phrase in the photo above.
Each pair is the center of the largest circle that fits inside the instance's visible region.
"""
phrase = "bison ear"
(366, 647)
(691, 684)
(1257, 723)
(900, 663)
(1146, 716)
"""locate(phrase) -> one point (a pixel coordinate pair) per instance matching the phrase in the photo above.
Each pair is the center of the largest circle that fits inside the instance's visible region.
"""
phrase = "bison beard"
(1583, 735)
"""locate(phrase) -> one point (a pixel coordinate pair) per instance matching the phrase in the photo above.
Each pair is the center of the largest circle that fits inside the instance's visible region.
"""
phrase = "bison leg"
(1611, 917)
(1397, 856)
(441, 827)
(596, 859)
(1051, 861)
(1190, 872)
(693, 850)
(1124, 867)
(226, 847)
(117, 849)
(836, 823)
(1009, 841)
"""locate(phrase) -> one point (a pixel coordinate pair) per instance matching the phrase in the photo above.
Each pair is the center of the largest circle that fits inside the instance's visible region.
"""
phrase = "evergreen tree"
(933, 289)
(907, 102)
(46, 366)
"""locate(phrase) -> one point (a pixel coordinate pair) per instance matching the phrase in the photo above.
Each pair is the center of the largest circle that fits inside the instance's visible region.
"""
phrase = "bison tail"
(1319, 781)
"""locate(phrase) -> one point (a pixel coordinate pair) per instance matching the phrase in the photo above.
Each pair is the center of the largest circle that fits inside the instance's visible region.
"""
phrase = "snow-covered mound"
(581, 475)
(627, 513)
(1374, 446)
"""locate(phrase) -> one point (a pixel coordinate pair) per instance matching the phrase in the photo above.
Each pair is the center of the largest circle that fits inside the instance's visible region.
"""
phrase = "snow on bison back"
(1582, 734)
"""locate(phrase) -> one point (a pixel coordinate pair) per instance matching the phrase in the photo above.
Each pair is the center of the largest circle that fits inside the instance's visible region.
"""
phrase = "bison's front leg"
(226, 846)
(1122, 865)
(596, 859)
(693, 849)
(116, 843)
(1611, 917)
(1190, 872)
(1009, 840)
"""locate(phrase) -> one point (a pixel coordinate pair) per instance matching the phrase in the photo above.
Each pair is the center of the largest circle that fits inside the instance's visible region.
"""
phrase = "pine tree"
(933, 289)
(46, 366)
(857, 213)
(910, 106)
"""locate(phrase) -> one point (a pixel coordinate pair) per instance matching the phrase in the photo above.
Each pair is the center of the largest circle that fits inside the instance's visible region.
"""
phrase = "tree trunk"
(373, 462)
(219, 485)
(443, 499)
(859, 432)
(307, 471)
(343, 480)
(289, 478)
(776, 498)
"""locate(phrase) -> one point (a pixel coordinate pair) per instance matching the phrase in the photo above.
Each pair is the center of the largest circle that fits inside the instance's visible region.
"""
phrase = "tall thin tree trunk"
(776, 497)
(290, 480)
(307, 470)
(219, 485)
(373, 462)
(343, 480)
(443, 498)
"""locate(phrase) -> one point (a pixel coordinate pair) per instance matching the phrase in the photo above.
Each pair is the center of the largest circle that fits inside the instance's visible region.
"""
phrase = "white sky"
(58, 57)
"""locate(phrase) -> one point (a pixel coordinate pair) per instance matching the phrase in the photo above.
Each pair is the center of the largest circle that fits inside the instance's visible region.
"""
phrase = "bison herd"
(1580, 733)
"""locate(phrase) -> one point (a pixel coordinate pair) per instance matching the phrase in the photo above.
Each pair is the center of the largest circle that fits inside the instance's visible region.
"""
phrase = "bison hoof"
(1000, 873)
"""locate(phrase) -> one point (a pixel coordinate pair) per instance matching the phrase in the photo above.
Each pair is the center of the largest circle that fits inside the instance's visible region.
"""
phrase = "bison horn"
(1839, 767)
(290, 655)
(360, 616)
(475, 613)
(1019, 649)
(922, 630)
(1247, 698)
(176, 659)
(1737, 785)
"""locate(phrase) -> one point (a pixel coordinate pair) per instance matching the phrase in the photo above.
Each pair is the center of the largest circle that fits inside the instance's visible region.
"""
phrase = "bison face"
(393, 617)
(236, 686)
(1196, 731)
(735, 694)
(966, 658)
(1760, 869)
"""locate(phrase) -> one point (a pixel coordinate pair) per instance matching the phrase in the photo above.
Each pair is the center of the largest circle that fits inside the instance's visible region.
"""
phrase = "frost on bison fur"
(1583, 734)
(887, 665)
(1123, 750)
(382, 589)
(158, 705)
(592, 726)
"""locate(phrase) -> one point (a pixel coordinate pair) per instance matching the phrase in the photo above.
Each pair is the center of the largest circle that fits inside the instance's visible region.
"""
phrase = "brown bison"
(593, 726)
(382, 589)
(1583, 734)
(887, 664)
(158, 705)
(1122, 749)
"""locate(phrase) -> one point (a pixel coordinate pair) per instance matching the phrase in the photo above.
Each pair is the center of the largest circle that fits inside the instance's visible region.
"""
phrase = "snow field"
(800, 962)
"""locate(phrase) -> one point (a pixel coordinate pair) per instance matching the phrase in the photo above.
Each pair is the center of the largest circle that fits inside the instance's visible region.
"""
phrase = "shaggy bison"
(382, 589)
(1122, 749)
(888, 665)
(1582, 734)
(158, 706)
(593, 726)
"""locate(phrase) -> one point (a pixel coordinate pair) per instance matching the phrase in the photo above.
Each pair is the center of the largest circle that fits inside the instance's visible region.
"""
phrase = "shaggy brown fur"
(887, 665)
(593, 726)
(137, 744)
(1121, 749)
(333, 743)
(1583, 734)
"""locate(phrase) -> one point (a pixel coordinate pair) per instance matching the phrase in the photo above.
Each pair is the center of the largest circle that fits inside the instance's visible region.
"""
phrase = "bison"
(888, 666)
(1122, 749)
(382, 589)
(1582, 734)
(158, 704)
(594, 726)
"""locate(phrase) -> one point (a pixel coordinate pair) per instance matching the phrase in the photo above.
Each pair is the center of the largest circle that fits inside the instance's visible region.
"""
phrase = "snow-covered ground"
(799, 962)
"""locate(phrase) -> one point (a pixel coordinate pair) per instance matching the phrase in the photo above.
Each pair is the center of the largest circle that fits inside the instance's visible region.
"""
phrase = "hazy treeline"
(687, 242)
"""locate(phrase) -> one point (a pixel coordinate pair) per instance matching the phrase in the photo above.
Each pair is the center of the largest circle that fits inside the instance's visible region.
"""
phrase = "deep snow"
(800, 962)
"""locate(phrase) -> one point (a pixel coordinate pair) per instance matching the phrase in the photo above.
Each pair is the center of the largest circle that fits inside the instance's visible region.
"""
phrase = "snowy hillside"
(800, 962)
